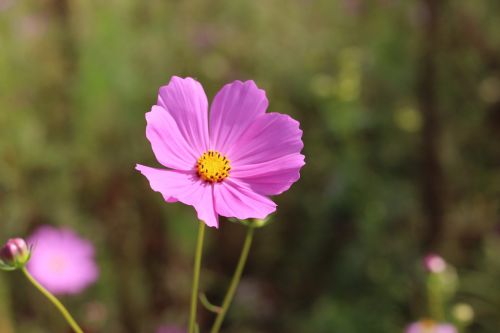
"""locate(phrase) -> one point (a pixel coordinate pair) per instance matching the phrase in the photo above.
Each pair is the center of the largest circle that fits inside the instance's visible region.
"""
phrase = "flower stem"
(54, 301)
(196, 277)
(435, 298)
(234, 282)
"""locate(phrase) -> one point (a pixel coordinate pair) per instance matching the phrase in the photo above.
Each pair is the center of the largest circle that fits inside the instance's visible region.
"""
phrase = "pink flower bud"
(14, 254)
(434, 263)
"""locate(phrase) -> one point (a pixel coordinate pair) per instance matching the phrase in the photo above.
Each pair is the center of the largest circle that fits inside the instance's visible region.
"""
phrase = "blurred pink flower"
(227, 162)
(61, 261)
(430, 326)
(434, 263)
(170, 329)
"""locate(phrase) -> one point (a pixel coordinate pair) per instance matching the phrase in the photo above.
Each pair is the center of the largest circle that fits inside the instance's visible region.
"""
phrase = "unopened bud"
(433, 263)
(14, 254)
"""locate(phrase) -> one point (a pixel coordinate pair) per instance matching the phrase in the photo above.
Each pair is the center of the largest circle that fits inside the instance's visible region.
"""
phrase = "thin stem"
(54, 301)
(196, 277)
(234, 282)
(209, 306)
(435, 298)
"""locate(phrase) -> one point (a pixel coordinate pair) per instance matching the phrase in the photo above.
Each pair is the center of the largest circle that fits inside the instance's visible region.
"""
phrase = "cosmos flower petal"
(234, 199)
(187, 103)
(170, 147)
(272, 177)
(233, 110)
(270, 136)
(267, 156)
(446, 328)
(185, 187)
(425, 326)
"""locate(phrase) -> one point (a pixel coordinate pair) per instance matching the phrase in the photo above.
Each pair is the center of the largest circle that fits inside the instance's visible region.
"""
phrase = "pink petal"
(423, 327)
(270, 136)
(233, 109)
(267, 156)
(446, 328)
(186, 102)
(413, 328)
(235, 199)
(169, 145)
(185, 187)
(272, 177)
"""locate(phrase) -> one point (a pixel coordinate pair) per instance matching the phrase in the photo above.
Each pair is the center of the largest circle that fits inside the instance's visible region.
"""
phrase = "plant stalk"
(196, 277)
(234, 281)
(71, 321)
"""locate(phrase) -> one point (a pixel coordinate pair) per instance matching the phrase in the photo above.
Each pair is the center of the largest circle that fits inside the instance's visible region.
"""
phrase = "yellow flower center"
(213, 167)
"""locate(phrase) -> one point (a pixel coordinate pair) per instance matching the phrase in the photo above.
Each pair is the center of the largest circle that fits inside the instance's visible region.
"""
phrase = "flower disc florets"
(213, 167)
(14, 254)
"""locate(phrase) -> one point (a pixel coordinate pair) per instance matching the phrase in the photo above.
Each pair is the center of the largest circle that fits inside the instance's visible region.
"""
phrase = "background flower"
(62, 261)
(434, 263)
(429, 326)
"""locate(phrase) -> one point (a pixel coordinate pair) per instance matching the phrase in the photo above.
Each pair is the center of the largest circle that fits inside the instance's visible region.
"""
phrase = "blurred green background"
(399, 101)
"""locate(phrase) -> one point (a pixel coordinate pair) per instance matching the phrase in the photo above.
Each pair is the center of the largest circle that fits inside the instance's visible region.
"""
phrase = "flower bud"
(463, 313)
(14, 254)
(433, 263)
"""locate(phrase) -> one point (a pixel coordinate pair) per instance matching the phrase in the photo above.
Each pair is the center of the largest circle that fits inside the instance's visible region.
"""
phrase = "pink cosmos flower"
(224, 163)
(61, 261)
(430, 326)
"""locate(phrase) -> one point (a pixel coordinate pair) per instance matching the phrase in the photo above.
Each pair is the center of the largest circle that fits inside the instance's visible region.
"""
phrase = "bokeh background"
(399, 102)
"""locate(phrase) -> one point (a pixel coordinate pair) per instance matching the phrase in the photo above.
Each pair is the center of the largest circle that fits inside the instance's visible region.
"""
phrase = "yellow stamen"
(213, 167)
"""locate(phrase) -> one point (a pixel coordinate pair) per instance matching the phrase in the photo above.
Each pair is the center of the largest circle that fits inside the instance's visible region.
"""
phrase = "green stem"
(54, 301)
(6, 325)
(435, 298)
(234, 282)
(196, 277)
